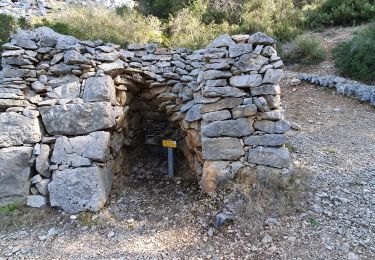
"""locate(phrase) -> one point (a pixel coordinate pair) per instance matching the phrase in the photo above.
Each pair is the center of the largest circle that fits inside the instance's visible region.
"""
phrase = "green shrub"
(356, 58)
(187, 29)
(278, 18)
(305, 49)
(107, 25)
(340, 12)
(220, 11)
(161, 8)
(8, 25)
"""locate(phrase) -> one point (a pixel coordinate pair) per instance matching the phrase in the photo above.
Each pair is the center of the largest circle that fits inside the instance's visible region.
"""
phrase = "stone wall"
(69, 109)
(362, 92)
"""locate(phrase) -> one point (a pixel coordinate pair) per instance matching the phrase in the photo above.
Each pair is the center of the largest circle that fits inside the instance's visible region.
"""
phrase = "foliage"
(9, 208)
(340, 12)
(356, 58)
(9, 25)
(107, 25)
(161, 8)
(187, 29)
(305, 49)
(278, 18)
(220, 11)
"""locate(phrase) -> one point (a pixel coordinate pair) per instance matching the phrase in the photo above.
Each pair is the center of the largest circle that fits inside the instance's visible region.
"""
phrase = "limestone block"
(216, 116)
(272, 127)
(221, 41)
(81, 150)
(80, 189)
(16, 129)
(224, 148)
(244, 111)
(273, 76)
(265, 90)
(239, 49)
(98, 89)
(211, 92)
(245, 81)
(266, 140)
(233, 128)
(36, 201)
(274, 157)
(221, 104)
(261, 38)
(250, 62)
(42, 160)
(14, 174)
(78, 119)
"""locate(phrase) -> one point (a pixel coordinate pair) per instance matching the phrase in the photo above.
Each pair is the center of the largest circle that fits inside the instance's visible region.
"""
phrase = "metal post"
(170, 162)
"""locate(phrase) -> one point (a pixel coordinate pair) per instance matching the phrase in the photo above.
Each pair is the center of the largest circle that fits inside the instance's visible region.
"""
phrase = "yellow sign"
(169, 143)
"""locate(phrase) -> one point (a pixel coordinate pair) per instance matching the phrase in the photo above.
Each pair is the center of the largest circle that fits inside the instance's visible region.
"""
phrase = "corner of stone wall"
(243, 123)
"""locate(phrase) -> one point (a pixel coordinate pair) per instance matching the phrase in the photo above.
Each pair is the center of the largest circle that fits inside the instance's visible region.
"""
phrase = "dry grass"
(26, 217)
(100, 23)
(274, 196)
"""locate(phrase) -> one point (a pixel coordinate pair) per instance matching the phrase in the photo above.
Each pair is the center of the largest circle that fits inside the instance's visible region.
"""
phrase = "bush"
(278, 18)
(9, 25)
(356, 58)
(107, 25)
(340, 12)
(220, 11)
(161, 8)
(187, 29)
(305, 49)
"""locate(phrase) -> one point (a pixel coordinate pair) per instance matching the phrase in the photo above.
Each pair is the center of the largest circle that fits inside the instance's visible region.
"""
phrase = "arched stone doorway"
(86, 100)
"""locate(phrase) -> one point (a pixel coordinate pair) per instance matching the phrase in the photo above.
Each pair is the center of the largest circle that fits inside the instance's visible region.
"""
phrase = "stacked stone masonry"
(363, 92)
(69, 109)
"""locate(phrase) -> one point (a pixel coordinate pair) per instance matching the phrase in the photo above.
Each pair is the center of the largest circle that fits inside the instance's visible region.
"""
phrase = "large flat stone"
(99, 89)
(224, 148)
(274, 157)
(233, 128)
(81, 150)
(273, 76)
(216, 116)
(266, 140)
(272, 127)
(80, 189)
(251, 62)
(78, 119)
(16, 129)
(14, 174)
(221, 104)
(246, 81)
(211, 92)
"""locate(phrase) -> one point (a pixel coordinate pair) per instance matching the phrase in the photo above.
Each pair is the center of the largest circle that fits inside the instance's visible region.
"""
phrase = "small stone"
(52, 233)
(42, 238)
(271, 222)
(210, 232)
(36, 201)
(111, 234)
(73, 217)
(267, 239)
(353, 256)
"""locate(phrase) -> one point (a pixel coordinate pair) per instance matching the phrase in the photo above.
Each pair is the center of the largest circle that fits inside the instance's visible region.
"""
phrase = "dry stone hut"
(69, 109)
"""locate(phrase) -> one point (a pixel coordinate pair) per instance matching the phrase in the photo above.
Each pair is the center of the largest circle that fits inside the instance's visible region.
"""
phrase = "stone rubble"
(363, 92)
(31, 8)
(69, 109)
